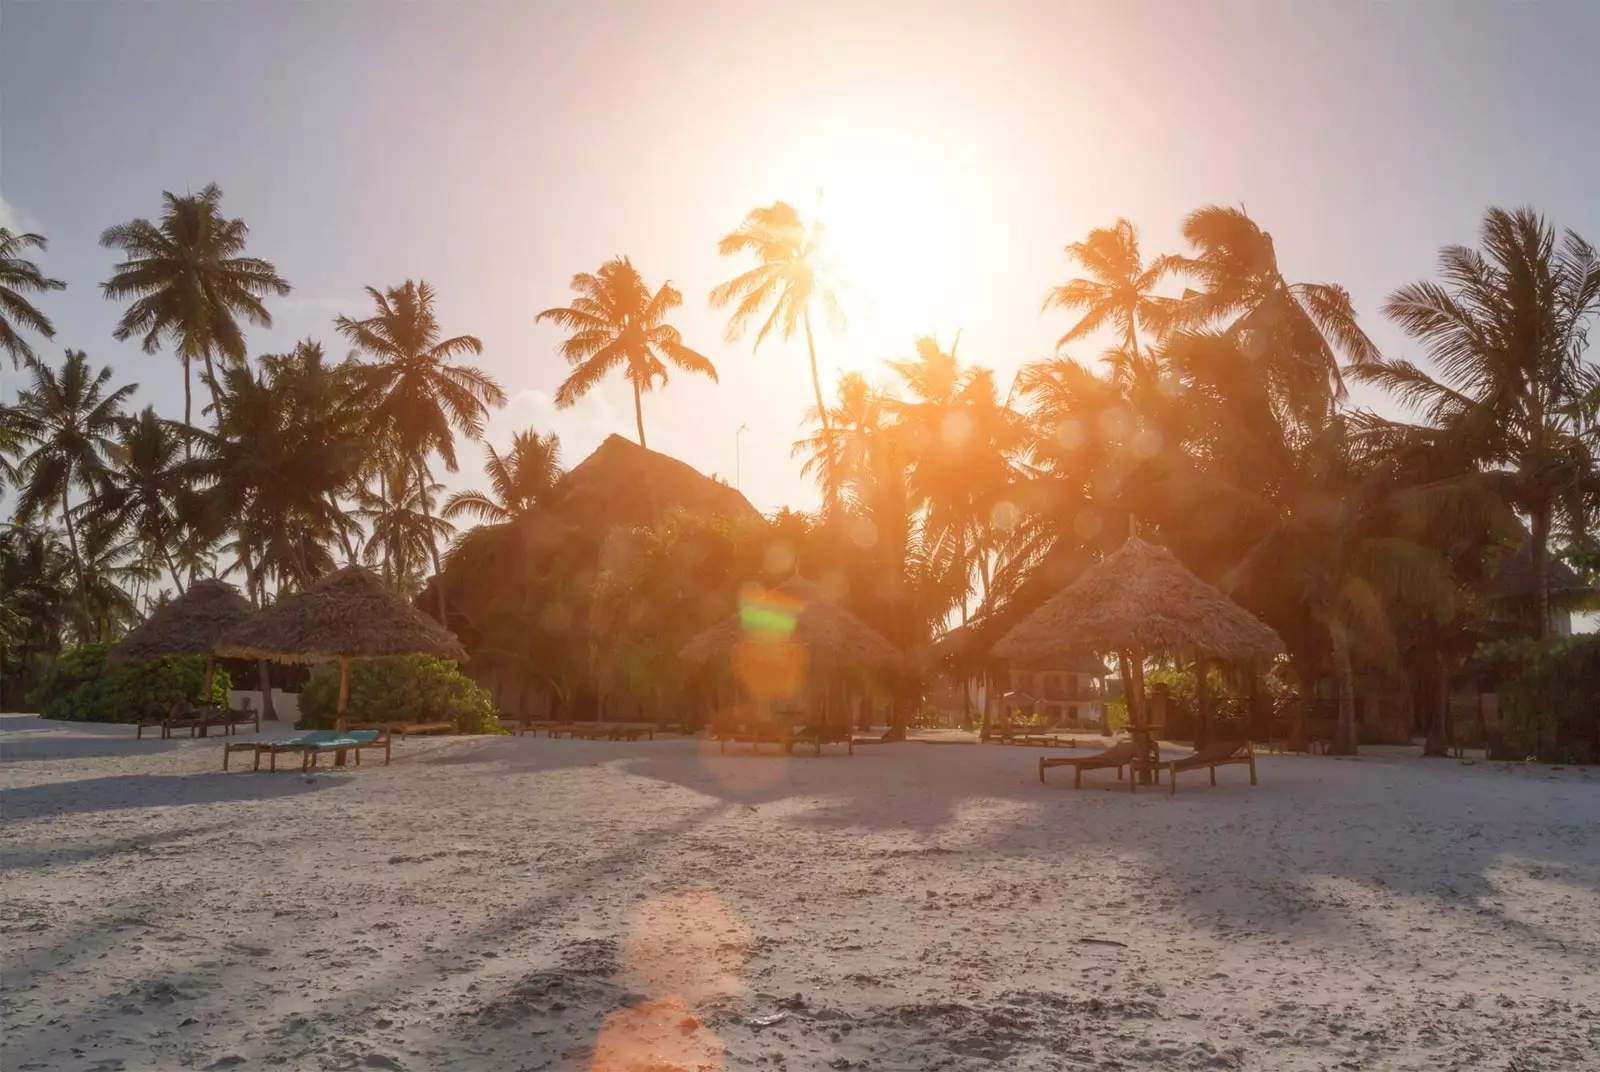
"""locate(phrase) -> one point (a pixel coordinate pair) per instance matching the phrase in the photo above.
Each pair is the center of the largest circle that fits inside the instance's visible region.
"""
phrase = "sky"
(497, 148)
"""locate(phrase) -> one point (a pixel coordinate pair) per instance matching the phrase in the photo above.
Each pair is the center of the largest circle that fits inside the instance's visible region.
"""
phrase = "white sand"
(500, 904)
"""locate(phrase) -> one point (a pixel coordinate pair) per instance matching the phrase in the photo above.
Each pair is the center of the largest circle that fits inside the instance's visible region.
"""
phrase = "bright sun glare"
(902, 229)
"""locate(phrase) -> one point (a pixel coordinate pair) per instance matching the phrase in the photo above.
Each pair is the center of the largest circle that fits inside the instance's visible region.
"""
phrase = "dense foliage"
(416, 688)
(1217, 423)
(1549, 697)
(83, 685)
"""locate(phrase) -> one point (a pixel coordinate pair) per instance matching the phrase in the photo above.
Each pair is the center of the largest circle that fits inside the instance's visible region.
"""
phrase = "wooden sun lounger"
(1124, 754)
(754, 734)
(817, 736)
(1210, 758)
(198, 721)
(354, 741)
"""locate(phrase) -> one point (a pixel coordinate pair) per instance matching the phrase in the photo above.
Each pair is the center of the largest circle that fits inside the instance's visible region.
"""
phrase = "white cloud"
(10, 217)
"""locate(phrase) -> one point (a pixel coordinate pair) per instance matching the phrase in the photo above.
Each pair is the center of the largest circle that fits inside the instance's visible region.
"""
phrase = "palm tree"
(418, 398)
(1506, 331)
(520, 479)
(1297, 330)
(190, 282)
(148, 489)
(17, 277)
(402, 526)
(617, 322)
(1121, 291)
(70, 421)
(792, 274)
(837, 454)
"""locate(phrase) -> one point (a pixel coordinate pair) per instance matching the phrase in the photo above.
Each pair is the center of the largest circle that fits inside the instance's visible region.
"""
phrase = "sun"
(903, 225)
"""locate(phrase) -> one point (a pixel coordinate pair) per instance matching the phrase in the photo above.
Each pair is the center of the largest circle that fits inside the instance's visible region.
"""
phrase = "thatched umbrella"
(781, 637)
(801, 611)
(346, 615)
(1139, 598)
(191, 624)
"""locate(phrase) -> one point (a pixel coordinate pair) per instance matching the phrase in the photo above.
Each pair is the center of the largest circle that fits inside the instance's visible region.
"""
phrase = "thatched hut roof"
(831, 636)
(191, 624)
(347, 614)
(622, 483)
(1139, 596)
(964, 646)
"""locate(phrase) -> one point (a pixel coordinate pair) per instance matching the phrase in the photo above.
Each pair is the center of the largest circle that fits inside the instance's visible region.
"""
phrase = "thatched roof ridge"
(963, 646)
(191, 624)
(347, 614)
(1139, 596)
(1513, 576)
(831, 635)
(622, 483)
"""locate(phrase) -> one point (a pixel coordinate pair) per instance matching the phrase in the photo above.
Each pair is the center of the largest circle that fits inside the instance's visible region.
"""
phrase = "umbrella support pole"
(344, 706)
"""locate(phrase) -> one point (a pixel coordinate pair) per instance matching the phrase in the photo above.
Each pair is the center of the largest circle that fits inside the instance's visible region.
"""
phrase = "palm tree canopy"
(792, 270)
(189, 279)
(1120, 287)
(71, 421)
(616, 321)
(419, 395)
(19, 276)
(521, 478)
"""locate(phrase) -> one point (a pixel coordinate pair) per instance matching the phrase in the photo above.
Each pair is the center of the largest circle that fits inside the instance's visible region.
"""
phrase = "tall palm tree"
(793, 272)
(1296, 330)
(1121, 290)
(417, 396)
(838, 454)
(400, 516)
(190, 282)
(1506, 330)
(148, 489)
(17, 277)
(70, 421)
(520, 479)
(616, 321)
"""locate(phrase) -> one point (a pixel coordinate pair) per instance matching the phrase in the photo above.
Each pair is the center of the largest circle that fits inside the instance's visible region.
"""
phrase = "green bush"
(411, 688)
(1549, 698)
(82, 686)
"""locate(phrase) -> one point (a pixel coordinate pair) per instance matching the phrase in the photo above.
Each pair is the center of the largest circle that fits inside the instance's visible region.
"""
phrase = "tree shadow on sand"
(120, 791)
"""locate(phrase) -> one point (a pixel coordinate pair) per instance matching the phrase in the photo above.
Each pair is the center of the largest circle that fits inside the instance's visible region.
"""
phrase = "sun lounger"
(1210, 758)
(353, 741)
(755, 734)
(405, 729)
(1124, 754)
(817, 736)
(271, 749)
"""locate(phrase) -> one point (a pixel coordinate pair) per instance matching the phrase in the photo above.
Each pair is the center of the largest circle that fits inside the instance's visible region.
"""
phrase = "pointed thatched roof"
(1139, 596)
(191, 624)
(348, 614)
(622, 483)
(831, 635)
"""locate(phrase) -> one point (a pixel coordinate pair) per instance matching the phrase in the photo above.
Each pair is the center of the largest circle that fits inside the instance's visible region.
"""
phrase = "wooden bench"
(817, 736)
(1210, 758)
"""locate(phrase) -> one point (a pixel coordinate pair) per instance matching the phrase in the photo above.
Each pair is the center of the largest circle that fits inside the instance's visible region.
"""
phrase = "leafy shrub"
(411, 688)
(1549, 698)
(83, 686)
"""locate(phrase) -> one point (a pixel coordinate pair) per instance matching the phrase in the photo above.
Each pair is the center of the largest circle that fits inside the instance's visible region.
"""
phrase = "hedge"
(1549, 694)
(412, 688)
(82, 686)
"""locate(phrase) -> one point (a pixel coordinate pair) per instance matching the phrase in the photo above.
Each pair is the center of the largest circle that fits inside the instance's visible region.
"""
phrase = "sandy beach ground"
(520, 904)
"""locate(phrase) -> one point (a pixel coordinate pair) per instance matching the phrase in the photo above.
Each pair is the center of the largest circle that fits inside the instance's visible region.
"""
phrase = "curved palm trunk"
(77, 568)
(211, 382)
(188, 400)
(1344, 736)
(172, 569)
(638, 414)
(269, 713)
(816, 380)
(433, 544)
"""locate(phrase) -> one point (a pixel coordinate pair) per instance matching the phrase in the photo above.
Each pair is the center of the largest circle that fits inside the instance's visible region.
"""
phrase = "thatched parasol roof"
(1139, 596)
(191, 624)
(348, 614)
(622, 483)
(831, 636)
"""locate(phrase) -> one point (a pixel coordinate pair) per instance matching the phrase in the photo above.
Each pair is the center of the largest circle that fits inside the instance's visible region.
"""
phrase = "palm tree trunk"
(269, 712)
(433, 544)
(173, 570)
(638, 413)
(187, 405)
(77, 568)
(1344, 736)
(1202, 695)
(816, 380)
(211, 382)
(1437, 693)
(1540, 553)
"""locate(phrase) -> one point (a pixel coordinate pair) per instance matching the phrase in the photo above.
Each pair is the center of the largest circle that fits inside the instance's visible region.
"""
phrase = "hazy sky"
(497, 148)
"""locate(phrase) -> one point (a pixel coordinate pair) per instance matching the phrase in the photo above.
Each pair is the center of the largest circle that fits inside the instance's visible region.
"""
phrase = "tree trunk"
(1436, 695)
(1306, 703)
(187, 407)
(1203, 727)
(1344, 736)
(1540, 553)
(433, 545)
(173, 570)
(77, 567)
(638, 414)
(211, 382)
